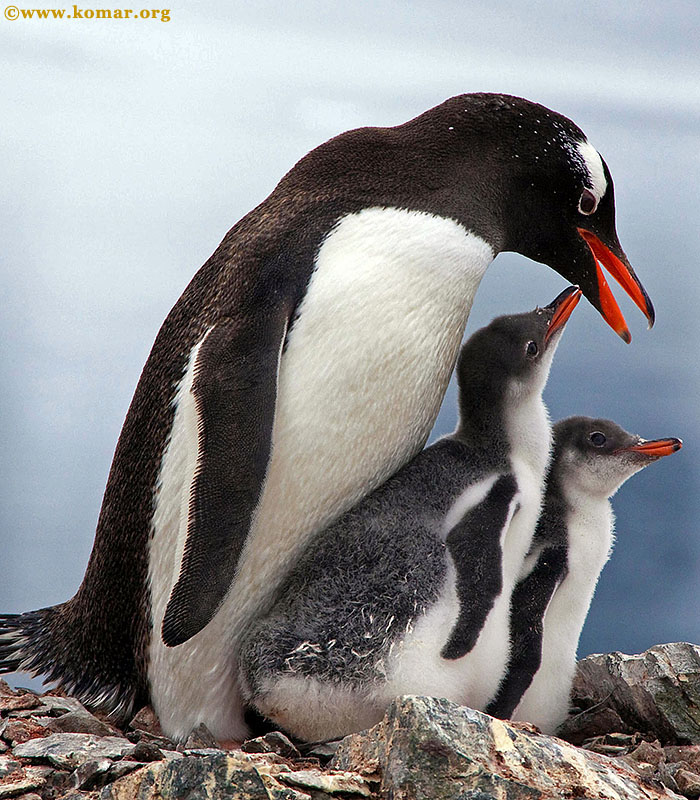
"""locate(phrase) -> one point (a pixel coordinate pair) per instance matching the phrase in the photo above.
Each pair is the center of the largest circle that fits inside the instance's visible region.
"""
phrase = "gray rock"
(213, 777)
(18, 731)
(328, 782)
(324, 751)
(689, 754)
(170, 754)
(200, 738)
(273, 742)
(121, 768)
(8, 765)
(590, 722)
(70, 750)
(81, 722)
(26, 780)
(19, 702)
(138, 785)
(61, 705)
(159, 741)
(688, 782)
(232, 776)
(91, 773)
(144, 751)
(146, 720)
(656, 692)
(431, 749)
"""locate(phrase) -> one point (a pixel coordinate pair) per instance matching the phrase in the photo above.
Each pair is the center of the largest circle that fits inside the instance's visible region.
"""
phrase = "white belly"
(590, 538)
(361, 381)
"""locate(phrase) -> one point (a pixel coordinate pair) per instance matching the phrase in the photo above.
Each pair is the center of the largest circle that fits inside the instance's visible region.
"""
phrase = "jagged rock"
(218, 777)
(323, 751)
(273, 742)
(80, 722)
(140, 784)
(61, 705)
(23, 781)
(8, 765)
(656, 692)
(433, 749)
(21, 702)
(70, 750)
(588, 723)
(688, 783)
(229, 775)
(649, 753)
(688, 754)
(18, 731)
(146, 720)
(145, 751)
(200, 738)
(91, 773)
(159, 741)
(334, 783)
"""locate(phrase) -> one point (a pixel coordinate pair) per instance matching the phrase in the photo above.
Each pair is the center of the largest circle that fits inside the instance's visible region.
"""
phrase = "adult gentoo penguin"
(409, 591)
(302, 366)
(592, 458)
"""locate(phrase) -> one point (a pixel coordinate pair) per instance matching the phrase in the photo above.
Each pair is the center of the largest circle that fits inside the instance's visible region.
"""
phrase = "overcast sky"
(131, 147)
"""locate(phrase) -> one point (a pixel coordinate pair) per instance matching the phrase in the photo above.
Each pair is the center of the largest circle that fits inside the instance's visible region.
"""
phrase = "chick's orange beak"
(563, 305)
(656, 448)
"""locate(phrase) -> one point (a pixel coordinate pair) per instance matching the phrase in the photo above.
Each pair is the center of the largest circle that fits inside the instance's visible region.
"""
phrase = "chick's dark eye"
(532, 349)
(588, 202)
(598, 439)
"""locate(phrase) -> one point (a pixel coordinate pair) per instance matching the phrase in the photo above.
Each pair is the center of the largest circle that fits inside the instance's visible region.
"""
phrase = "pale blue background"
(130, 148)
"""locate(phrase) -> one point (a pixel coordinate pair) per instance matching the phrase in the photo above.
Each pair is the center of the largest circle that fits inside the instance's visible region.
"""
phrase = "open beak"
(623, 273)
(655, 448)
(563, 305)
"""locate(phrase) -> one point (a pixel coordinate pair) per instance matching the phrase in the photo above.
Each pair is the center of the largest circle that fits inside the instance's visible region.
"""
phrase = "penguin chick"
(409, 591)
(592, 458)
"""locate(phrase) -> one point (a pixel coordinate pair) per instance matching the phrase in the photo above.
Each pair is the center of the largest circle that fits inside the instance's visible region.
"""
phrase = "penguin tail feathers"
(40, 643)
(22, 643)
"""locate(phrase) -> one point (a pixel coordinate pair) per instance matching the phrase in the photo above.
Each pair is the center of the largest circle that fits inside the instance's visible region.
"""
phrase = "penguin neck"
(528, 429)
(482, 424)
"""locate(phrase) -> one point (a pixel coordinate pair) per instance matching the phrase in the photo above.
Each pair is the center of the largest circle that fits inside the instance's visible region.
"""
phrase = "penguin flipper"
(475, 546)
(235, 390)
(527, 609)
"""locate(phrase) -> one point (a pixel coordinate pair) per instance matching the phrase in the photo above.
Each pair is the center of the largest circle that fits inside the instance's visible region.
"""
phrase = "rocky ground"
(635, 734)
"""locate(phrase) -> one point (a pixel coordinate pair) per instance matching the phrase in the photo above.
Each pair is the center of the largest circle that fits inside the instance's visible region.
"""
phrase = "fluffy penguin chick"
(409, 591)
(592, 458)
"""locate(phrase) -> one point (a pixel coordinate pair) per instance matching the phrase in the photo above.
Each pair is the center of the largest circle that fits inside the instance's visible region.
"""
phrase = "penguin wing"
(475, 546)
(235, 390)
(527, 609)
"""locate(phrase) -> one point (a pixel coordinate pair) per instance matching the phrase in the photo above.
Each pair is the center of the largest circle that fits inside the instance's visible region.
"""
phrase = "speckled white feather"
(361, 380)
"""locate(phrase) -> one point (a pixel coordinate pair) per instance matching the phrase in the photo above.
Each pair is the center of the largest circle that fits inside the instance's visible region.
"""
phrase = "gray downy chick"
(592, 458)
(409, 591)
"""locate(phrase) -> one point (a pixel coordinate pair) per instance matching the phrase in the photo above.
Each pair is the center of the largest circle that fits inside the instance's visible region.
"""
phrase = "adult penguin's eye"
(532, 349)
(588, 202)
(597, 439)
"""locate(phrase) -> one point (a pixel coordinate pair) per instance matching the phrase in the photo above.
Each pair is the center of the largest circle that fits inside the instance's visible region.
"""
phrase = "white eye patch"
(594, 166)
